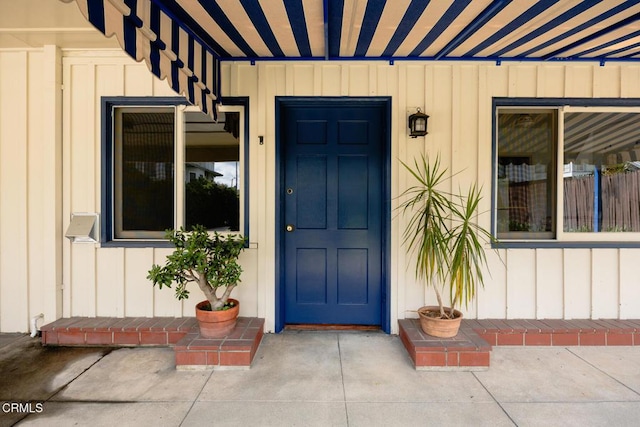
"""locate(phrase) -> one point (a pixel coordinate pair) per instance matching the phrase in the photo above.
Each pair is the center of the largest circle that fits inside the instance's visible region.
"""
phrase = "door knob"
(290, 227)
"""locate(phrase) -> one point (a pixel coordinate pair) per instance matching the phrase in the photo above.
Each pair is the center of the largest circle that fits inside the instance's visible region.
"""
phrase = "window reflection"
(601, 172)
(144, 174)
(526, 176)
(212, 171)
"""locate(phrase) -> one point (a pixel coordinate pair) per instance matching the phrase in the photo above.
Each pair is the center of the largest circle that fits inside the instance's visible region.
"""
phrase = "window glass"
(212, 171)
(526, 174)
(173, 166)
(144, 172)
(601, 172)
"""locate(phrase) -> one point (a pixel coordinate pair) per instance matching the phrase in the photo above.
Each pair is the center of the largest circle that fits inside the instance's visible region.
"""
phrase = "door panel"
(353, 268)
(332, 195)
(311, 276)
(353, 206)
(311, 203)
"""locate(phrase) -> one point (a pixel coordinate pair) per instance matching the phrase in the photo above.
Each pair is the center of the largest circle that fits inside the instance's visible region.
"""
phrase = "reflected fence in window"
(566, 169)
(606, 201)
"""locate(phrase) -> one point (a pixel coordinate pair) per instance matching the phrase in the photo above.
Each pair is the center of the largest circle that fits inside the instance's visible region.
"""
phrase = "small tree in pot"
(211, 261)
(447, 243)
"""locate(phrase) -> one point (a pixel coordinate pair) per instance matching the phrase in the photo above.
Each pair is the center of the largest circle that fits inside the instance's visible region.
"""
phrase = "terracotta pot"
(436, 327)
(218, 323)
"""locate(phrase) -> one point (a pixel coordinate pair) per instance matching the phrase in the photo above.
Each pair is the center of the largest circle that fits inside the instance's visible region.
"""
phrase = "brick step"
(557, 332)
(121, 332)
(471, 348)
(181, 333)
(467, 350)
(236, 350)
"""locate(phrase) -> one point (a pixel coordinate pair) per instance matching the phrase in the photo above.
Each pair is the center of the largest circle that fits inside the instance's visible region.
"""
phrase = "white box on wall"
(83, 228)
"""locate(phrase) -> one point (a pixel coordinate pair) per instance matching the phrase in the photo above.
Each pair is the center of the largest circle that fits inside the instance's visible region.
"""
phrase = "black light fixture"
(418, 124)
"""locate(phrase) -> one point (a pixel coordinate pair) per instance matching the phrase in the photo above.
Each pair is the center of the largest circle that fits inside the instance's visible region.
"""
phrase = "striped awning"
(184, 40)
(171, 50)
(496, 30)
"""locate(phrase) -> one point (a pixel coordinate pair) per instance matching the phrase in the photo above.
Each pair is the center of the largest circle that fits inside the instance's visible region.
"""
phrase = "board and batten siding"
(30, 186)
(90, 280)
(111, 281)
(519, 283)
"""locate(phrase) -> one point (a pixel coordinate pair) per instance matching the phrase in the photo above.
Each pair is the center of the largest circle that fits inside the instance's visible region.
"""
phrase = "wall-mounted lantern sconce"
(418, 124)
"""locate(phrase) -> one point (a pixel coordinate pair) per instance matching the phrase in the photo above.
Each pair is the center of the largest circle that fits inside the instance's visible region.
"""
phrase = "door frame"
(384, 103)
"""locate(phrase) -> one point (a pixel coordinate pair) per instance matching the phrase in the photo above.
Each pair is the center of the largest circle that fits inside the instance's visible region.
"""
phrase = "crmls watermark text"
(22, 407)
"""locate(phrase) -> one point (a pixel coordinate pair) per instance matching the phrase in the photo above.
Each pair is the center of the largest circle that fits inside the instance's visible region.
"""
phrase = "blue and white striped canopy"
(185, 40)
(149, 32)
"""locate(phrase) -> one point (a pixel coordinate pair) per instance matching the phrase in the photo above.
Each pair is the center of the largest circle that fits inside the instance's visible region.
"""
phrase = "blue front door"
(332, 215)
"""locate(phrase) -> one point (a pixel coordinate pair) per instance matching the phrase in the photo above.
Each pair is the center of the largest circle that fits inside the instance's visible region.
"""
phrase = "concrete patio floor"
(302, 378)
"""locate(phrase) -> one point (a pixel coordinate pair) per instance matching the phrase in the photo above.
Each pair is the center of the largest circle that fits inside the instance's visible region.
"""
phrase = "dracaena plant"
(210, 260)
(441, 232)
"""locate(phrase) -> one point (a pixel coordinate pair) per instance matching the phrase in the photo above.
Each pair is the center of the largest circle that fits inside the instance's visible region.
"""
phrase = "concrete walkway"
(320, 379)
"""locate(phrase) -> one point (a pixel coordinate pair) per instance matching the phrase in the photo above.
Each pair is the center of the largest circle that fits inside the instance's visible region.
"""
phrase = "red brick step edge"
(237, 350)
(471, 348)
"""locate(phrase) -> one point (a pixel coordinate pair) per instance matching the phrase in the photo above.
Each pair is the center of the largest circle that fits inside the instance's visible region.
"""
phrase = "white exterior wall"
(34, 212)
(112, 281)
(521, 283)
(30, 186)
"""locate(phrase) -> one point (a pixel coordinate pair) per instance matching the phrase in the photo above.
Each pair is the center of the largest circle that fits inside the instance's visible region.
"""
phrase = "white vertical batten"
(51, 179)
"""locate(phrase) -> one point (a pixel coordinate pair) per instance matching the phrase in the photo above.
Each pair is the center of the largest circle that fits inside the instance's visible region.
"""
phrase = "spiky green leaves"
(448, 244)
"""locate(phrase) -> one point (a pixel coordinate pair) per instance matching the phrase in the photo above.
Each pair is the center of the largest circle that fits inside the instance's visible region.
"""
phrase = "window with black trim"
(567, 173)
(172, 166)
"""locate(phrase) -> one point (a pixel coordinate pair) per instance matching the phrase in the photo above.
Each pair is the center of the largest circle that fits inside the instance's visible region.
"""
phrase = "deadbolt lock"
(290, 227)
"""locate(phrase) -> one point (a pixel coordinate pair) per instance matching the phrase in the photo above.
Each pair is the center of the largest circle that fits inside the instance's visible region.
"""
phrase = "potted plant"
(210, 260)
(447, 243)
